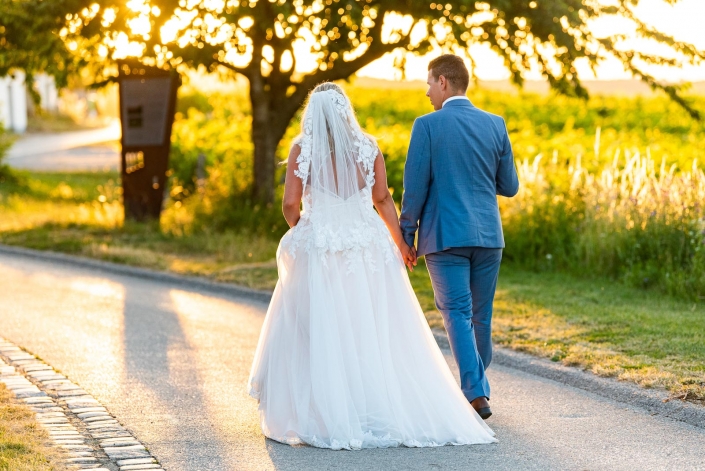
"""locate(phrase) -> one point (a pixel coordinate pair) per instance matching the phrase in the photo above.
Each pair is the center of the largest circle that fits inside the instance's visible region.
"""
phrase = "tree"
(30, 39)
(256, 39)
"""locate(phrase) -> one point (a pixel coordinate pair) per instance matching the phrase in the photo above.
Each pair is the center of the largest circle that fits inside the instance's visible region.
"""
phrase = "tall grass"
(634, 220)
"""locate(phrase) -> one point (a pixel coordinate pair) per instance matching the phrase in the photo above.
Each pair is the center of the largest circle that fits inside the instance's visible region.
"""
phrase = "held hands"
(408, 255)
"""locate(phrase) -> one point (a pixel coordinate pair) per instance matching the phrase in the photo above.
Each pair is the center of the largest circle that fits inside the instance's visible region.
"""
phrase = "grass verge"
(22, 441)
(607, 328)
(598, 325)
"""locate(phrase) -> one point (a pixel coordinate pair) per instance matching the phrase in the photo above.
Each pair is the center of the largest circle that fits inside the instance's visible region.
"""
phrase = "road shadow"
(160, 362)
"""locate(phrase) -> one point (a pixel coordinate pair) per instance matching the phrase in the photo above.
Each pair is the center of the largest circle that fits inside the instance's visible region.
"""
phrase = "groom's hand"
(406, 255)
(411, 259)
(409, 255)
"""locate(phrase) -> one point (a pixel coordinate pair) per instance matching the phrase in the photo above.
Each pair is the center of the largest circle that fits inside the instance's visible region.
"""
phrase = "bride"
(346, 359)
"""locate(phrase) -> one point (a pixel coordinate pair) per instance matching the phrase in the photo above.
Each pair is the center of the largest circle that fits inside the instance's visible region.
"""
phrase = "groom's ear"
(442, 82)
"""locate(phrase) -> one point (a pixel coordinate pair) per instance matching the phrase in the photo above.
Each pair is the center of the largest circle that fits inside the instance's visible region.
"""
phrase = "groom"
(459, 160)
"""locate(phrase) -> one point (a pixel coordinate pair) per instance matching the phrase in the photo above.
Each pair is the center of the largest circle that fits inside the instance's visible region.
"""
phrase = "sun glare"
(185, 28)
(125, 48)
(138, 6)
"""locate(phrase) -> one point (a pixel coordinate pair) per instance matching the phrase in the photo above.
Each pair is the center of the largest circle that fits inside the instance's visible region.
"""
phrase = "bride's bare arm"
(293, 189)
(382, 199)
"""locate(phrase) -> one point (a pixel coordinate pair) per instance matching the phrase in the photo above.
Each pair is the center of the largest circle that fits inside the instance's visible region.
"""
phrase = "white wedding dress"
(345, 358)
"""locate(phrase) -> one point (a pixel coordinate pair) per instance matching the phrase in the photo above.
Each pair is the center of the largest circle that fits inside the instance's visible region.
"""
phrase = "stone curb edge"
(649, 399)
(146, 273)
(655, 401)
(77, 424)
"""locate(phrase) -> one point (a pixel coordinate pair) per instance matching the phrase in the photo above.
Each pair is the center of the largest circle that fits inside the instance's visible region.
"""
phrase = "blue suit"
(459, 160)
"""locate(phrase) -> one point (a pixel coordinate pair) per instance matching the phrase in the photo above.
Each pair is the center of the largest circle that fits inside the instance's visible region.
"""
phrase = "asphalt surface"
(84, 150)
(172, 363)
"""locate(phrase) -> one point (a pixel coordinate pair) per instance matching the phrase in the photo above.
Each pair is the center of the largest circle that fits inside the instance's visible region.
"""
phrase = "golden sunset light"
(251, 234)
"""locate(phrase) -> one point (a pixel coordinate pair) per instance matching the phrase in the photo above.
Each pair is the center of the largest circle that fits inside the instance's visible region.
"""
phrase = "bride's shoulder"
(297, 140)
(370, 138)
(369, 149)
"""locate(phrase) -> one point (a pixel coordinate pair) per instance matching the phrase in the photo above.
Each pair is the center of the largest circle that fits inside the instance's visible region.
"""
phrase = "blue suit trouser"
(464, 282)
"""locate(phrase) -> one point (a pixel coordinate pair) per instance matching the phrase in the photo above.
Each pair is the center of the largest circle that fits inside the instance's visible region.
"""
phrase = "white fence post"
(46, 87)
(13, 102)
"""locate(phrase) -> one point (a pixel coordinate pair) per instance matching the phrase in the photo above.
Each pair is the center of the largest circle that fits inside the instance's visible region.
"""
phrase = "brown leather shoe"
(484, 412)
(482, 407)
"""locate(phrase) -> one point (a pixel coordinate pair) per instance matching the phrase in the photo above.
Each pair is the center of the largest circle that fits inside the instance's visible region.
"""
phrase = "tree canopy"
(258, 39)
(30, 40)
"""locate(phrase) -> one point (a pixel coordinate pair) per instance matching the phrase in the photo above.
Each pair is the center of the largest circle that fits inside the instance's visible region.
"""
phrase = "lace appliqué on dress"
(353, 241)
(316, 235)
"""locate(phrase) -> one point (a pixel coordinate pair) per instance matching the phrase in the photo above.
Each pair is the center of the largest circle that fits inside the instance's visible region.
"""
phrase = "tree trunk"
(272, 111)
(265, 143)
(264, 140)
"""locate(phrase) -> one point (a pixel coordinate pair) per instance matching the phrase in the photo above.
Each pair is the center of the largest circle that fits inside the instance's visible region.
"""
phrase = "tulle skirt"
(346, 360)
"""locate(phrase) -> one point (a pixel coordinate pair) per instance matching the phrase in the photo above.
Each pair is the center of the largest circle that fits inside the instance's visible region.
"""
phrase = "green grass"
(596, 324)
(23, 443)
(81, 214)
(50, 122)
(228, 256)
(79, 187)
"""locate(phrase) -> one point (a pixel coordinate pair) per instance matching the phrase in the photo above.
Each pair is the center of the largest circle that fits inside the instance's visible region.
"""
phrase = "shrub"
(5, 143)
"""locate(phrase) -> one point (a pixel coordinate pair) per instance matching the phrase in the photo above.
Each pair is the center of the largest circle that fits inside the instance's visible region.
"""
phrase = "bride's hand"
(408, 255)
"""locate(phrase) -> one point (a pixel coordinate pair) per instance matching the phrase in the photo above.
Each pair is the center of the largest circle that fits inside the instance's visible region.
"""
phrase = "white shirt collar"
(457, 97)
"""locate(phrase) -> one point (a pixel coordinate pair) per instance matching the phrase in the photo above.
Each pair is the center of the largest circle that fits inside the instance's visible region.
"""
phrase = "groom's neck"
(452, 93)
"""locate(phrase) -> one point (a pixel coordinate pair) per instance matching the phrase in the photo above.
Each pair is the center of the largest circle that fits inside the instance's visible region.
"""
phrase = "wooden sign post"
(147, 107)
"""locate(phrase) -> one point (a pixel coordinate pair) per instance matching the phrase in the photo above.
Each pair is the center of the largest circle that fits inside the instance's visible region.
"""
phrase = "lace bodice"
(333, 225)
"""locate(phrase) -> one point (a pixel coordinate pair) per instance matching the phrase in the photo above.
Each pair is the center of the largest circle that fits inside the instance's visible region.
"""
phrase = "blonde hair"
(326, 86)
(322, 87)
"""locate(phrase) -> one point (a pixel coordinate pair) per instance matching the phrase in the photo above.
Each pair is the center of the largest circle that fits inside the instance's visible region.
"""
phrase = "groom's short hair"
(453, 69)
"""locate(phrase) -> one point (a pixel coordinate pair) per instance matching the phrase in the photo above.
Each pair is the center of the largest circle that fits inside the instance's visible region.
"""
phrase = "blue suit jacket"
(459, 160)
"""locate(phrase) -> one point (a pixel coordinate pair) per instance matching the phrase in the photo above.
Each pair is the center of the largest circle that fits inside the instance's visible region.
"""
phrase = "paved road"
(68, 151)
(171, 364)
